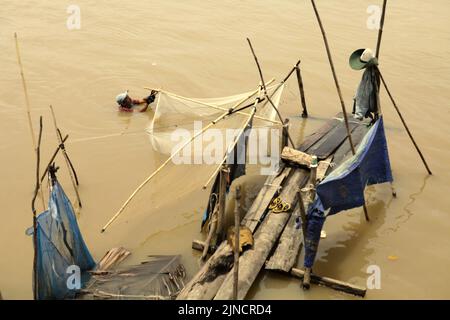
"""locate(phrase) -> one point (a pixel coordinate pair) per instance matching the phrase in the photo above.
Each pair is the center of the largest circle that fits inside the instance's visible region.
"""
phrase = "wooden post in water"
(302, 91)
(33, 209)
(380, 29)
(338, 88)
(237, 222)
(222, 197)
(72, 173)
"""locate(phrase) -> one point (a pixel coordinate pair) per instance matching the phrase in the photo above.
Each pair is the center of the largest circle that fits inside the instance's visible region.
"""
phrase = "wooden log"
(292, 156)
(222, 197)
(207, 281)
(302, 92)
(236, 243)
(289, 246)
(331, 283)
(263, 199)
(252, 261)
(292, 239)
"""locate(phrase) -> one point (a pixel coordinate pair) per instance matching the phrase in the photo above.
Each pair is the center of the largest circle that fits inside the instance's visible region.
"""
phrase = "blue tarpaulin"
(343, 188)
(60, 249)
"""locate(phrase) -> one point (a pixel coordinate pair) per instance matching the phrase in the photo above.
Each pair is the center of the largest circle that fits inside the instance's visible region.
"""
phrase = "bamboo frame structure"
(70, 168)
(214, 106)
(221, 117)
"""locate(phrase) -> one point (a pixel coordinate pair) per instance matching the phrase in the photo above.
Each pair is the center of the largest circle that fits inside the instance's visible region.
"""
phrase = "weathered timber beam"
(288, 248)
(331, 283)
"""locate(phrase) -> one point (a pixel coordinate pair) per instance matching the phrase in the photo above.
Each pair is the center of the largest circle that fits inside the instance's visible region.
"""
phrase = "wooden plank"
(344, 150)
(331, 141)
(310, 140)
(207, 281)
(251, 261)
(332, 283)
(295, 157)
(289, 246)
(263, 199)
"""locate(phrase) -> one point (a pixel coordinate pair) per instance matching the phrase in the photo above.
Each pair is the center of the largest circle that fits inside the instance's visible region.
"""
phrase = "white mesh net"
(179, 118)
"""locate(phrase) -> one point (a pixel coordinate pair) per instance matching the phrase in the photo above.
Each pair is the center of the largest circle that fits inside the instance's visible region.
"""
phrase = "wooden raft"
(276, 241)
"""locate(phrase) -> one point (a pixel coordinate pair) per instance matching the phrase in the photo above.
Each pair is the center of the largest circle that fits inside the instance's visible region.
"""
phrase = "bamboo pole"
(380, 30)
(27, 102)
(338, 88)
(380, 33)
(221, 117)
(33, 208)
(70, 168)
(236, 244)
(404, 123)
(214, 106)
(236, 140)
(265, 89)
(302, 92)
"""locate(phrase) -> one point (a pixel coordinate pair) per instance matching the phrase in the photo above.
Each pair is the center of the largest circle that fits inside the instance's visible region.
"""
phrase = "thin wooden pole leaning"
(236, 243)
(265, 89)
(302, 91)
(377, 55)
(27, 102)
(338, 88)
(33, 208)
(380, 30)
(53, 158)
(232, 145)
(70, 168)
(404, 123)
(222, 202)
(221, 117)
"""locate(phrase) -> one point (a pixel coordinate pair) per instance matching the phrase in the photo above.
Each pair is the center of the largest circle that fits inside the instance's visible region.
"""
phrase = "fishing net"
(158, 278)
(62, 255)
(236, 139)
(179, 118)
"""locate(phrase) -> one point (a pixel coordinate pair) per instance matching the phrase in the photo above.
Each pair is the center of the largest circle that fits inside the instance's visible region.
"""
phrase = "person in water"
(126, 103)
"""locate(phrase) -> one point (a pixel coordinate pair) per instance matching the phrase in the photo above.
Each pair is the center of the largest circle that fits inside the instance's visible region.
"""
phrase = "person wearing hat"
(366, 97)
(126, 103)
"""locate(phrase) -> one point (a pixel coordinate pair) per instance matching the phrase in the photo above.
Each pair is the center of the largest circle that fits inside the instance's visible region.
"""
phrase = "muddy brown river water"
(198, 49)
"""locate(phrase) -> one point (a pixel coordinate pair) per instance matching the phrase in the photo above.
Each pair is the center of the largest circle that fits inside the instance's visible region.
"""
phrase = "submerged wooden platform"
(277, 243)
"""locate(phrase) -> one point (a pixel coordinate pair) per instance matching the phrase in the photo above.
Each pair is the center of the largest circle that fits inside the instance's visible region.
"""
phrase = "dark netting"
(158, 278)
(61, 250)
